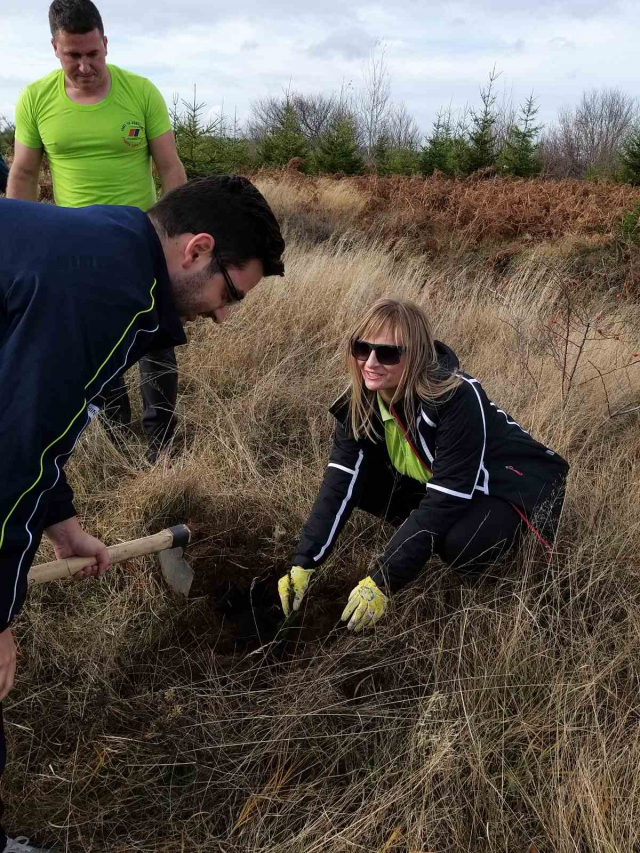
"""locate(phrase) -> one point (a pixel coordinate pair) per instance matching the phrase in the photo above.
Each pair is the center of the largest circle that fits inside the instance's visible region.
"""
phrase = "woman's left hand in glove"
(367, 603)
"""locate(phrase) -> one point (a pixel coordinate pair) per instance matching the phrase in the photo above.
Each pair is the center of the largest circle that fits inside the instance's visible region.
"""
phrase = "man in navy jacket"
(84, 294)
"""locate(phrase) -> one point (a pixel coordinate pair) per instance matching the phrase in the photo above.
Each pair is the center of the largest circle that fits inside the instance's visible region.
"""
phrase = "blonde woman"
(418, 443)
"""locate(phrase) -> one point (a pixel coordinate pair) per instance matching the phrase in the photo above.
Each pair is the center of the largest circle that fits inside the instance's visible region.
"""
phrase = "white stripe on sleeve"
(449, 491)
(340, 467)
(343, 506)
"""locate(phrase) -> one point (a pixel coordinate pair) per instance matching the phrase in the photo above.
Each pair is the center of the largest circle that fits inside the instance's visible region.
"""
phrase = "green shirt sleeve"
(157, 114)
(26, 123)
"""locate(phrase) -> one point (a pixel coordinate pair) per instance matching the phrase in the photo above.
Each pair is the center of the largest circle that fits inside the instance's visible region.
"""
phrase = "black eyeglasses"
(385, 353)
(234, 294)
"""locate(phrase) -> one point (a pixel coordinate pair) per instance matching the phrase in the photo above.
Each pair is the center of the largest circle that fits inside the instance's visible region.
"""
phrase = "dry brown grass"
(472, 211)
(497, 717)
(496, 224)
(465, 213)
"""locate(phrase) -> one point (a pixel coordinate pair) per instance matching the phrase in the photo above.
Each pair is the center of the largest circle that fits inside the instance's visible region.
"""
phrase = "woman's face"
(382, 378)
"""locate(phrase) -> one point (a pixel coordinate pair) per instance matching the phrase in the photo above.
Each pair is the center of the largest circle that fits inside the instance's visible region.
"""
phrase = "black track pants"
(487, 532)
(159, 388)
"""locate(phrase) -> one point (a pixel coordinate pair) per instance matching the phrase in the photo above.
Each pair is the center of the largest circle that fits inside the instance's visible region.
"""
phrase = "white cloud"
(437, 50)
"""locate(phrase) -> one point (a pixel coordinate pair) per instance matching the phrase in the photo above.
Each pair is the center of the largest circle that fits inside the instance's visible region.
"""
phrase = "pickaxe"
(169, 544)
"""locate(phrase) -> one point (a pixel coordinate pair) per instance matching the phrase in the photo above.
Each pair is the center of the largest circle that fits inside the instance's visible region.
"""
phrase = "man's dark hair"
(233, 211)
(74, 16)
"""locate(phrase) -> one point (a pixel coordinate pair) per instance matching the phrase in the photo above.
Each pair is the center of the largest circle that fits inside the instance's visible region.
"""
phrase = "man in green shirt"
(100, 127)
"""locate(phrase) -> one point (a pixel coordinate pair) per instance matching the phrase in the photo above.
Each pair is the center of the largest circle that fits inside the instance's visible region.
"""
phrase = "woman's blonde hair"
(423, 377)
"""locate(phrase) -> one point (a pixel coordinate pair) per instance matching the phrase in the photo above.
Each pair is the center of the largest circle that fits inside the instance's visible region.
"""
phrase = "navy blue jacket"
(469, 445)
(84, 294)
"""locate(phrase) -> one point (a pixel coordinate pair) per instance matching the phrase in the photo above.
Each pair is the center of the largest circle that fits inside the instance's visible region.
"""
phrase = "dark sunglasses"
(234, 294)
(385, 353)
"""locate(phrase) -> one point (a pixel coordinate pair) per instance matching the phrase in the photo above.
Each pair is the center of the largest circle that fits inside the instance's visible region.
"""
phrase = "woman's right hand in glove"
(292, 588)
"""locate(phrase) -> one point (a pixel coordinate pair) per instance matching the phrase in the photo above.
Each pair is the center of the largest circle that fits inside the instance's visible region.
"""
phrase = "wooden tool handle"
(172, 537)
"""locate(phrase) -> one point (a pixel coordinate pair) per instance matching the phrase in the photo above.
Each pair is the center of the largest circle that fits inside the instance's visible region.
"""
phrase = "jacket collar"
(170, 330)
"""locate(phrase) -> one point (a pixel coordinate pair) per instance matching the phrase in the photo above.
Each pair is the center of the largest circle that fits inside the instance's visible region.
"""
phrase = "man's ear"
(106, 43)
(54, 46)
(198, 250)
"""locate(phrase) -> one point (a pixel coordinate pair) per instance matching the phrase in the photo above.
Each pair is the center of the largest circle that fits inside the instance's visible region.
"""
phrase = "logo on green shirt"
(133, 134)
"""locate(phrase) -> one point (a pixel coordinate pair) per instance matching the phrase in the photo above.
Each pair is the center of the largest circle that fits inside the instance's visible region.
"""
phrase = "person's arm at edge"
(28, 151)
(24, 172)
(167, 162)
(68, 540)
(338, 495)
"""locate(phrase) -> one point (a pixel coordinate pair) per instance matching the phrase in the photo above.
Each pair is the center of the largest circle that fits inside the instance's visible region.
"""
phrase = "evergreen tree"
(436, 153)
(231, 148)
(392, 159)
(402, 161)
(520, 154)
(459, 155)
(284, 142)
(631, 158)
(380, 153)
(481, 151)
(338, 149)
(195, 141)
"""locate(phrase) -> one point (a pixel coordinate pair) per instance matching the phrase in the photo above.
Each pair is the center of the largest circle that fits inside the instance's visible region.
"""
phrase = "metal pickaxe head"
(177, 573)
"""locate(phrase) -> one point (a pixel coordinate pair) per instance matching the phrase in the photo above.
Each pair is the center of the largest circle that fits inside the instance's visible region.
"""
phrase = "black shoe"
(158, 449)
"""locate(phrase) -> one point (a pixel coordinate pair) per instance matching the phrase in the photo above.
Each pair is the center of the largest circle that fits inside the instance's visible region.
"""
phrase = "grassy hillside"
(501, 717)
(588, 230)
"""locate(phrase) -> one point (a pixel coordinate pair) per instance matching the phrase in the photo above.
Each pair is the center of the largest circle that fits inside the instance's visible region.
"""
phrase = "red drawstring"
(532, 528)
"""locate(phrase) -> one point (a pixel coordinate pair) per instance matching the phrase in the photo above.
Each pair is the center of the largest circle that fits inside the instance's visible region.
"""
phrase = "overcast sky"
(437, 52)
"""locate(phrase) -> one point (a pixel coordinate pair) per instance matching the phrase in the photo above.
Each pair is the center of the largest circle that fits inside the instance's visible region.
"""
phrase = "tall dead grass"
(498, 717)
(496, 225)
(443, 212)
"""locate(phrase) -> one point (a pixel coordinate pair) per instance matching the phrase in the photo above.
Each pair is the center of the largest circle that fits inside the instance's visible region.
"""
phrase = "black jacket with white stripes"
(471, 447)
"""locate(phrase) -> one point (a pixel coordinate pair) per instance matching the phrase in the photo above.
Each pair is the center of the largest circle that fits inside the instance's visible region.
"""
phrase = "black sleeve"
(458, 470)
(47, 356)
(78, 305)
(60, 506)
(338, 495)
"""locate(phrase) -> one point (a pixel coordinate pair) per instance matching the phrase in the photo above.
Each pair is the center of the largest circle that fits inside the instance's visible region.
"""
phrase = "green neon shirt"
(400, 452)
(98, 153)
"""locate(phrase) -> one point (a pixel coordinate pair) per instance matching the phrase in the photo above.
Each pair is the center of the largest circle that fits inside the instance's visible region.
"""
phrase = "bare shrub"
(314, 114)
(373, 103)
(590, 135)
(401, 129)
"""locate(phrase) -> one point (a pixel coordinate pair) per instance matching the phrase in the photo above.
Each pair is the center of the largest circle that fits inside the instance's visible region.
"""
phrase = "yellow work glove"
(293, 585)
(367, 603)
